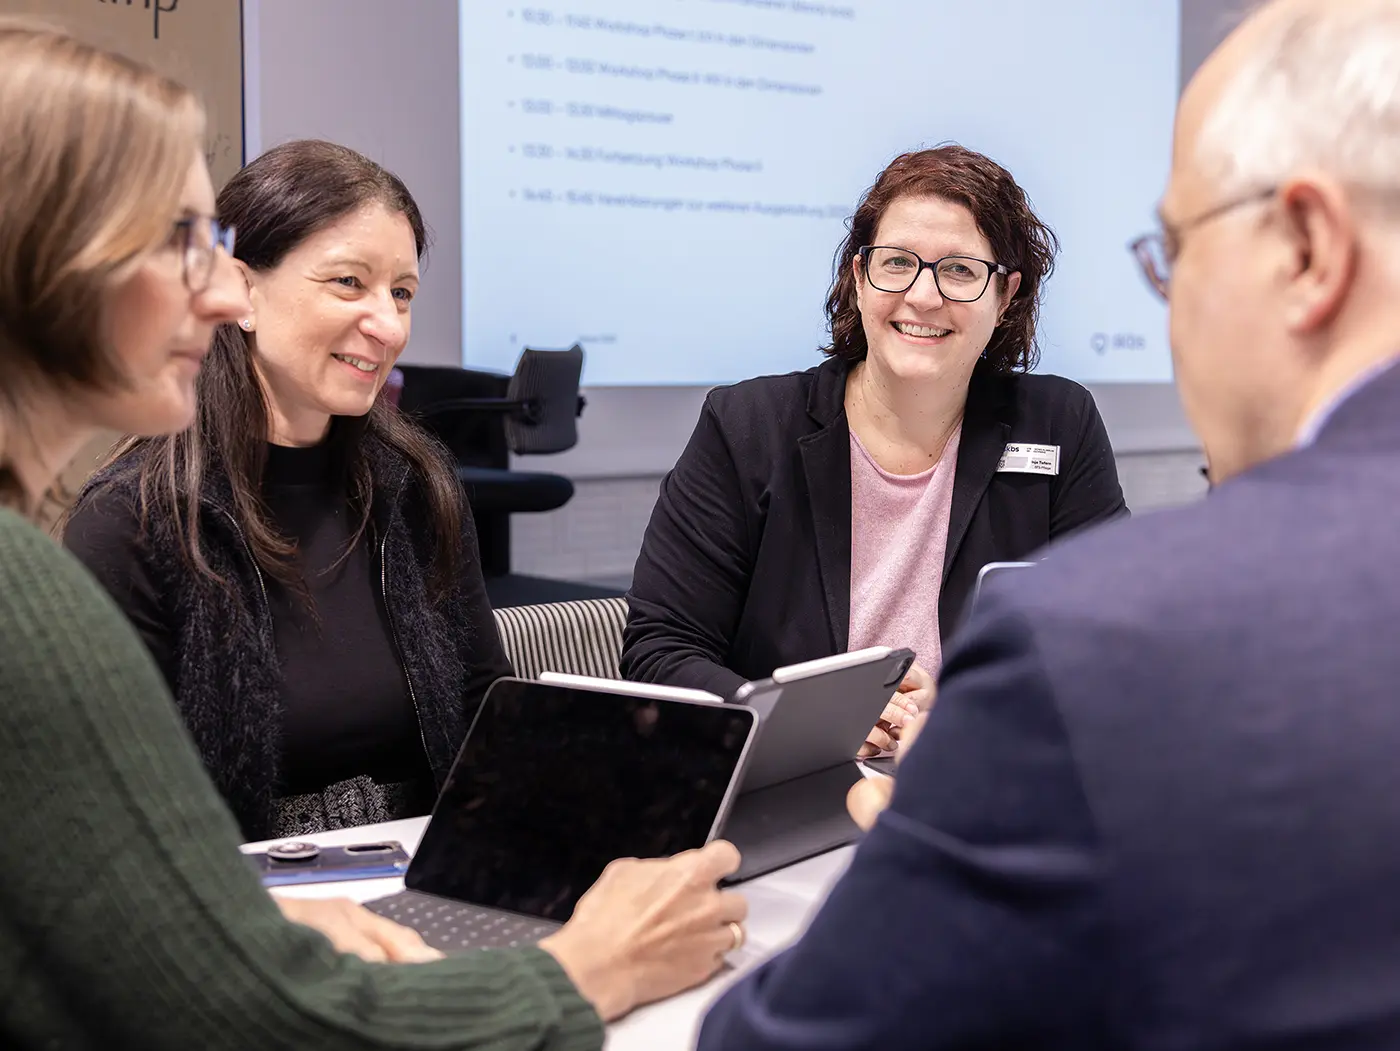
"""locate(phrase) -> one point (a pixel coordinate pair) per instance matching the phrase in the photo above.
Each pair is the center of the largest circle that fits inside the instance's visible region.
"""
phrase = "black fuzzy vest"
(228, 680)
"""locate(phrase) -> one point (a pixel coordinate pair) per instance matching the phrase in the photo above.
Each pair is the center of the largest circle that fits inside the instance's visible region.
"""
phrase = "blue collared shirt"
(1313, 425)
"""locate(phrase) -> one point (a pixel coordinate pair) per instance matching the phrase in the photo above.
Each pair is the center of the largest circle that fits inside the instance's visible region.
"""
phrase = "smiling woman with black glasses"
(853, 504)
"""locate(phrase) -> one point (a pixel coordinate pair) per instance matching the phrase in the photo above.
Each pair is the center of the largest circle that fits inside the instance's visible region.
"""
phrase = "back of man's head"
(1316, 86)
(1282, 222)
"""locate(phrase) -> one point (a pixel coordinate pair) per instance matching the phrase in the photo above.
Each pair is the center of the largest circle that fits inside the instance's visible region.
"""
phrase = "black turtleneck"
(346, 706)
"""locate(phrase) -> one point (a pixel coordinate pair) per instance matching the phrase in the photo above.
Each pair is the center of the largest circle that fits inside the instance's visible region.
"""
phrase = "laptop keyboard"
(453, 927)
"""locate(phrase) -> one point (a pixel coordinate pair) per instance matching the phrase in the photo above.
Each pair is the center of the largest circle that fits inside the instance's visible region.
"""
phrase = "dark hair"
(275, 203)
(1002, 212)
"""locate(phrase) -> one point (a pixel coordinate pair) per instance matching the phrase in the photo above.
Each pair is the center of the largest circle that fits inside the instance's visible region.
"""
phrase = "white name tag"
(1030, 459)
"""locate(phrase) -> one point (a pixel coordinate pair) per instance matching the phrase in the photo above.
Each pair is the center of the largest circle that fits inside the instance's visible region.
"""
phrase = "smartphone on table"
(292, 863)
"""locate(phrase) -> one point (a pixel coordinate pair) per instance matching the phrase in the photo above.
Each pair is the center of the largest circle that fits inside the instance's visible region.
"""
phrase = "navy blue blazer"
(1157, 804)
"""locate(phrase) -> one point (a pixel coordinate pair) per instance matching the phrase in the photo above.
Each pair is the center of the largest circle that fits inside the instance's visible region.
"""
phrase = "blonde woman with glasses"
(130, 919)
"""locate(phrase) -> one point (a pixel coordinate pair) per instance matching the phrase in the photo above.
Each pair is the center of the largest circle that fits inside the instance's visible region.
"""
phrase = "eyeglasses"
(1157, 252)
(198, 237)
(958, 278)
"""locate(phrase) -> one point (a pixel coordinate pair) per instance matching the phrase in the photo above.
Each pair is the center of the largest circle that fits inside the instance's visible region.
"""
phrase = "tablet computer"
(989, 572)
(814, 718)
(634, 689)
(816, 715)
(812, 715)
(551, 784)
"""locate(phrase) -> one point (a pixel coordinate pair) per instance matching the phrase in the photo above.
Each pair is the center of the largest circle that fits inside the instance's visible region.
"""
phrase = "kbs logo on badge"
(1030, 459)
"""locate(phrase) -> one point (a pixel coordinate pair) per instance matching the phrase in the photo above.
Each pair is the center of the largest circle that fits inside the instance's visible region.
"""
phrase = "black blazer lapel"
(985, 432)
(826, 462)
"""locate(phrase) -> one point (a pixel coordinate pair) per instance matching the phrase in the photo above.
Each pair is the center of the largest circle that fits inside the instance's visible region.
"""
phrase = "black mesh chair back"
(462, 408)
(545, 386)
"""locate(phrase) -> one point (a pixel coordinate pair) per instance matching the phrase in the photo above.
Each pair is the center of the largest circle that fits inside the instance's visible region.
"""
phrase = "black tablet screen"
(554, 782)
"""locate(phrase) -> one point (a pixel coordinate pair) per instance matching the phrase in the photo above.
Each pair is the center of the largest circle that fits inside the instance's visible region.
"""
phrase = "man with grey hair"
(1157, 803)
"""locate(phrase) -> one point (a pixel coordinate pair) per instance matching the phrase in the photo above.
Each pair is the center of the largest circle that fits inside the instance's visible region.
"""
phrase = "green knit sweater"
(127, 916)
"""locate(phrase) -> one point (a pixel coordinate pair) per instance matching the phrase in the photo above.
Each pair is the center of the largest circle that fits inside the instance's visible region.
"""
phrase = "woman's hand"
(354, 929)
(915, 695)
(869, 796)
(918, 686)
(884, 736)
(648, 929)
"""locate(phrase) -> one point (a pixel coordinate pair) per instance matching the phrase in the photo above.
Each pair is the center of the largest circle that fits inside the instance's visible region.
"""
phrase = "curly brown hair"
(1002, 212)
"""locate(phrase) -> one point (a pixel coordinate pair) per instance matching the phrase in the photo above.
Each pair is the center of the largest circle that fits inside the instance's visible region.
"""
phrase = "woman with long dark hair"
(301, 562)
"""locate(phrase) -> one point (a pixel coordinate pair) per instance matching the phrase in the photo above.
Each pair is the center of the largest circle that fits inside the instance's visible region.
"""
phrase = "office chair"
(483, 417)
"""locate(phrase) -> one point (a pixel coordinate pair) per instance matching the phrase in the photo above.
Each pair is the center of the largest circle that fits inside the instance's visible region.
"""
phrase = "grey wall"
(383, 78)
(1204, 23)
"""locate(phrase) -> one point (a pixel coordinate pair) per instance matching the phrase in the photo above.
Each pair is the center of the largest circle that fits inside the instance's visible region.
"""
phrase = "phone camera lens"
(293, 851)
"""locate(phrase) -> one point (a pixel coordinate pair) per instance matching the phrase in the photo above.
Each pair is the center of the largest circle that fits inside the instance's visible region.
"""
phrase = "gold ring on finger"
(738, 932)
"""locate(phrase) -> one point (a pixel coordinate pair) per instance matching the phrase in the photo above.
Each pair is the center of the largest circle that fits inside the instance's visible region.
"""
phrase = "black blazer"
(746, 565)
(1156, 803)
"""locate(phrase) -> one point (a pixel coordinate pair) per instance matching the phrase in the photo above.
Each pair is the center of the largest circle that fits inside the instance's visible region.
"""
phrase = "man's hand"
(870, 795)
(915, 695)
(651, 928)
(354, 929)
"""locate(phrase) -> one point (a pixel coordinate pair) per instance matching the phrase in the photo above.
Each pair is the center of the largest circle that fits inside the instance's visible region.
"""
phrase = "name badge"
(1030, 459)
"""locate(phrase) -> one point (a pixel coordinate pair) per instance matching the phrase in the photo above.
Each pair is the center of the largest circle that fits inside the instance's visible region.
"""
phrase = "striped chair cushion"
(581, 638)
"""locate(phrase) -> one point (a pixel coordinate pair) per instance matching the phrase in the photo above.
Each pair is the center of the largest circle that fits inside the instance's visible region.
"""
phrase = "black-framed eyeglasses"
(1156, 252)
(959, 278)
(199, 237)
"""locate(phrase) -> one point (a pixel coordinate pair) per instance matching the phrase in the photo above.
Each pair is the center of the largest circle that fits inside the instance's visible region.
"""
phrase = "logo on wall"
(156, 7)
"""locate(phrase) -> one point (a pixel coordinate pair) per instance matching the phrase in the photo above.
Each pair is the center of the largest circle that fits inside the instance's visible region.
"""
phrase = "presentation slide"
(666, 181)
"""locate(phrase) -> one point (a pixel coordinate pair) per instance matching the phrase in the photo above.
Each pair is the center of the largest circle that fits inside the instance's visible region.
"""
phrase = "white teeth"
(363, 366)
(922, 331)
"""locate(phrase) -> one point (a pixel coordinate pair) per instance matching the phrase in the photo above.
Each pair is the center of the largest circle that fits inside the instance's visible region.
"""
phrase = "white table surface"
(779, 905)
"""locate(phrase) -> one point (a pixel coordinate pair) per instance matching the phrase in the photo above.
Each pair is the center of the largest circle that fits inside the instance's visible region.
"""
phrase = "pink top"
(899, 532)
